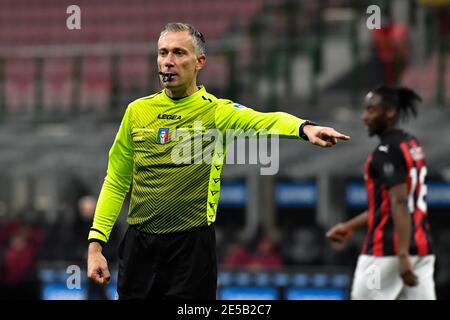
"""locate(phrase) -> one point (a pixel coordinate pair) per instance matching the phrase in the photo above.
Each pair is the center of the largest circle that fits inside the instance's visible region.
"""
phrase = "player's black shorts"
(168, 266)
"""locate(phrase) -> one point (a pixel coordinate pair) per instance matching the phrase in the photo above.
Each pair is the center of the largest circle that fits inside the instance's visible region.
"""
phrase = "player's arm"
(394, 176)
(341, 232)
(398, 196)
(115, 187)
(234, 116)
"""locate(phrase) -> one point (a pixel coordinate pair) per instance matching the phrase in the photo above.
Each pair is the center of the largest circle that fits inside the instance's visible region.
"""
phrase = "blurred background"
(63, 93)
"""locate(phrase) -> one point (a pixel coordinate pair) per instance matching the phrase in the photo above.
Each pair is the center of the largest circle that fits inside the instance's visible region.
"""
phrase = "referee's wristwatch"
(301, 133)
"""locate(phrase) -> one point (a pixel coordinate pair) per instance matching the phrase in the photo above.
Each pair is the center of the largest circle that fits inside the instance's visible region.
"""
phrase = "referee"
(168, 251)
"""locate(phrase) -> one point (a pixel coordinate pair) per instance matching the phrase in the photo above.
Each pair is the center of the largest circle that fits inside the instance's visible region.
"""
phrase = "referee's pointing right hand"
(97, 265)
(324, 137)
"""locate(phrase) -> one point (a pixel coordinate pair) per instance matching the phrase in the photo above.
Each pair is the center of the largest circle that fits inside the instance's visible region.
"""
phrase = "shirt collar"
(201, 91)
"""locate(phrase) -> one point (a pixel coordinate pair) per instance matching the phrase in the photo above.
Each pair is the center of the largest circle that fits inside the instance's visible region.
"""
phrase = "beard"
(378, 127)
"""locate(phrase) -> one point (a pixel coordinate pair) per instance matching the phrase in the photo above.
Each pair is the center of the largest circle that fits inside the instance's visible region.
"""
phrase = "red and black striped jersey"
(399, 158)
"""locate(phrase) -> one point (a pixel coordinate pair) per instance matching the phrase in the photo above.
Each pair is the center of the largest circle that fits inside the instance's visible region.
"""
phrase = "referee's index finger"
(340, 136)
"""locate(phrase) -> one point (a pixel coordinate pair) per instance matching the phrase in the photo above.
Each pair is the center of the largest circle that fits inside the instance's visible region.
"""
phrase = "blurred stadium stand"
(62, 93)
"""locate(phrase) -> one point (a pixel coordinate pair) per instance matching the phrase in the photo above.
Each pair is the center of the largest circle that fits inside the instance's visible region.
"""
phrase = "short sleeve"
(392, 169)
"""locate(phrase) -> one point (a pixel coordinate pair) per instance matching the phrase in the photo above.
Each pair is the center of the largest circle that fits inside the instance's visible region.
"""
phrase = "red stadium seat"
(25, 23)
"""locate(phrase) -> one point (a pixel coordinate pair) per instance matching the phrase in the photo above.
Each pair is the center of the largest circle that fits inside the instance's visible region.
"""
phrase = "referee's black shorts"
(168, 266)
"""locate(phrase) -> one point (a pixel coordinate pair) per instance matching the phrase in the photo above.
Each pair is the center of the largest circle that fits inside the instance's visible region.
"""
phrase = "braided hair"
(402, 98)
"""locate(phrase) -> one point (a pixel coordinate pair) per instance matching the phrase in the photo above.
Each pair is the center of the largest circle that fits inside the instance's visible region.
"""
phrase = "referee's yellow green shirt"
(171, 196)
